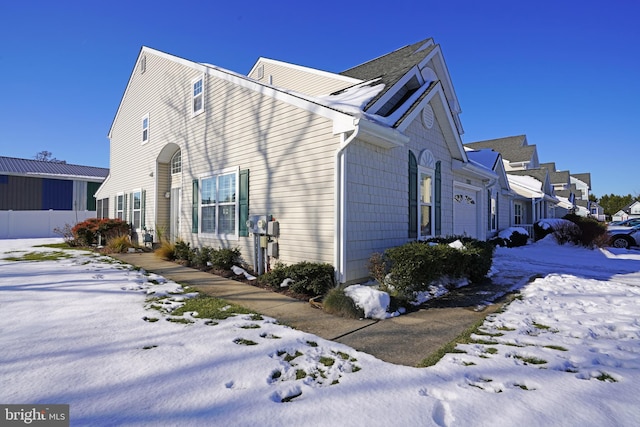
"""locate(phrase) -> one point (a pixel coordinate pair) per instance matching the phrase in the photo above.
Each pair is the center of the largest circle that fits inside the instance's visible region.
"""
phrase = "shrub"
(224, 258)
(594, 233)
(414, 266)
(338, 303)
(563, 230)
(118, 244)
(201, 257)
(309, 278)
(377, 267)
(86, 233)
(182, 252)
(166, 250)
(511, 237)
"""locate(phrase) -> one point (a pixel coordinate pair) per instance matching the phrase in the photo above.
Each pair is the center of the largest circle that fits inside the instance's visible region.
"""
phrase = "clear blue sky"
(564, 72)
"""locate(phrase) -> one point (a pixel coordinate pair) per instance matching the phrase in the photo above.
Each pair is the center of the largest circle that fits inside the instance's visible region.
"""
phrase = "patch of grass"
(256, 317)
(41, 256)
(530, 360)
(556, 347)
(300, 374)
(63, 245)
(289, 357)
(179, 320)
(485, 342)
(149, 347)
(506, 328)
(242, 341)
(606, 378)
(463, 338)
(150, 319)
(491, 350)
(209, 307)
(541, 326)
(341, 355)
(489, 334)
(251, 326)
(327, 361)
(312, 343)
(275, 375)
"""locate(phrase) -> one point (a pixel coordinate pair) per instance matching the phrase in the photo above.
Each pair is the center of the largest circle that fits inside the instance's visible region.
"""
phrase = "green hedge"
(413, 267)
(308, 278)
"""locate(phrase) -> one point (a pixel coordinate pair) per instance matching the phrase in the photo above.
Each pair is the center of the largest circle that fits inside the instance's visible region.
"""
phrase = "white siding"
(378, 195)
(301, 79)
(288, 151)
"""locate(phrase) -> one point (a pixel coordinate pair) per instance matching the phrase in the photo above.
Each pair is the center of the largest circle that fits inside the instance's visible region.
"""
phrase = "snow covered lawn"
(79, 331)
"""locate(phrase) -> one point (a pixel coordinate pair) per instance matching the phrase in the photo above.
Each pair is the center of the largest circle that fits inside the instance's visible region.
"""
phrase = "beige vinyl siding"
(303, 80)
(377, 195)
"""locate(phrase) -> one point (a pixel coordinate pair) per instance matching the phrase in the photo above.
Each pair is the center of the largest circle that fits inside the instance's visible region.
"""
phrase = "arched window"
(176, 162)
(413, 196)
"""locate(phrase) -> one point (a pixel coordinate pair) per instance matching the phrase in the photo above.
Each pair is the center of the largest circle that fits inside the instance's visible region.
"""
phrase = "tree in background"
(612, 203)
(46, 156)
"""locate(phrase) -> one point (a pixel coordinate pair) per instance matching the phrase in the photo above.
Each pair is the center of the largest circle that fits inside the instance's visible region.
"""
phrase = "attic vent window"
(260, 73)
(143, 64)
(427, 116)
(399, 98)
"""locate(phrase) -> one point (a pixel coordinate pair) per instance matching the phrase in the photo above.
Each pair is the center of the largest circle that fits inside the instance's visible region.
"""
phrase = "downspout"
(339, 237)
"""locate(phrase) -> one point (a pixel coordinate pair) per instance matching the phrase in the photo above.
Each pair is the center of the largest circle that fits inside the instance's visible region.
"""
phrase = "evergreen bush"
(308, 278)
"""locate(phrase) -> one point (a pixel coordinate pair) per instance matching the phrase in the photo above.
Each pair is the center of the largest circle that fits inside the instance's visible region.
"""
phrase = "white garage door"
(465, 212)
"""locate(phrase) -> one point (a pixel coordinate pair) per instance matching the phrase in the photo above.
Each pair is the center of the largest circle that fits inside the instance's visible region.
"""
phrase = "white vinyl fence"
(30, 224)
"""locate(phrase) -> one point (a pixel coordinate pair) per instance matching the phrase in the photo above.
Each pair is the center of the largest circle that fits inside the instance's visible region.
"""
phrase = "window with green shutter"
(413, 196)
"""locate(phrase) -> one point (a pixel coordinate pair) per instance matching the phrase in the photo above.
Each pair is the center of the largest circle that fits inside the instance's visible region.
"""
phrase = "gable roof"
(399, 68)
(513, 148)
(584, 177)
(16, 166)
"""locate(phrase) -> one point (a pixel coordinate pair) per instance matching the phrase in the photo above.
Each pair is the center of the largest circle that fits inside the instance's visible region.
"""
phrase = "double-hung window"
(120, 206)
(145, 129)
(197, 95)
(219, 203)
(136, 209)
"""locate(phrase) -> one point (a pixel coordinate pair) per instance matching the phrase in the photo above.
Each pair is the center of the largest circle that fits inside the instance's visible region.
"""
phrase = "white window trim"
(133, 210)
(236, 233)
(432, 173)
(493, 211)
(119, 211)
(193, 96)
(145, 137)
(515, 213)
(171, 162)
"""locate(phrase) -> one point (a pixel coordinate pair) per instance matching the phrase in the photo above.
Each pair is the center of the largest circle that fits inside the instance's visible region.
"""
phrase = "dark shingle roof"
(512, 148)
(584, 177)
(391, 67)
(12, 165)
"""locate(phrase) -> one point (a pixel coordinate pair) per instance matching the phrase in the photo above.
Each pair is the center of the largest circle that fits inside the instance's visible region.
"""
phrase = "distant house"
(37, 196)
(632, 210)
(326, 167)
(534, 194)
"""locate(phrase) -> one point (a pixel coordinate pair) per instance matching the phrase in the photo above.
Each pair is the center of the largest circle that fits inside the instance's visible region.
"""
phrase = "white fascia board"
(445, 77)
(310, 70)
(379, 135)
(474, 169)
(65, 177)
(437, 91)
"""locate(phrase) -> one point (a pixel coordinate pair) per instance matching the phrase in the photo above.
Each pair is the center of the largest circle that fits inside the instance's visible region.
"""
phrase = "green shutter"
(143, 196)
(244, 203)
(194, 207)
(438, 198)
(125, 210)
(413, 196)
(92, 187)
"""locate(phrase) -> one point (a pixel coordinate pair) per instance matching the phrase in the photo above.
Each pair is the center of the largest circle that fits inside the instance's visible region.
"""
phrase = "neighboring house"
(37, 196)
(632, 210)
(534, 194)
(499, 194)
(348, 164)
(564, 191)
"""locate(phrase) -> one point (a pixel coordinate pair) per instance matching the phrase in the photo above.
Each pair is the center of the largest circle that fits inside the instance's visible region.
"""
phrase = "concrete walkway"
(404, 340)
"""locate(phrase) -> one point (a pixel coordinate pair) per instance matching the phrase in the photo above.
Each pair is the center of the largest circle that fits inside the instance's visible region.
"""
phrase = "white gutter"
(339, 237)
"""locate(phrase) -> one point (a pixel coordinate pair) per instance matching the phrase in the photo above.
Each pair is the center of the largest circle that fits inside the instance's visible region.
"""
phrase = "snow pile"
(375, 303)
(77, 331)
(508, 232)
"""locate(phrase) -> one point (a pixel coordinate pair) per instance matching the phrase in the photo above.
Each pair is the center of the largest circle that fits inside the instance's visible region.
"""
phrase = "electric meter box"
(272, 249)
(273, 228)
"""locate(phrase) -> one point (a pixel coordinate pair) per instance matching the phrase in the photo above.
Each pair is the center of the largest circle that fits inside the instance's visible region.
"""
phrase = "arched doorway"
(169, 194)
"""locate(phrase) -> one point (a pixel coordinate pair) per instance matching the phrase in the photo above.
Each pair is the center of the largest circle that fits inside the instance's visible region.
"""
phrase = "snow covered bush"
(563, 230)
(593, 232)
(412, 268)
(511, 237)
